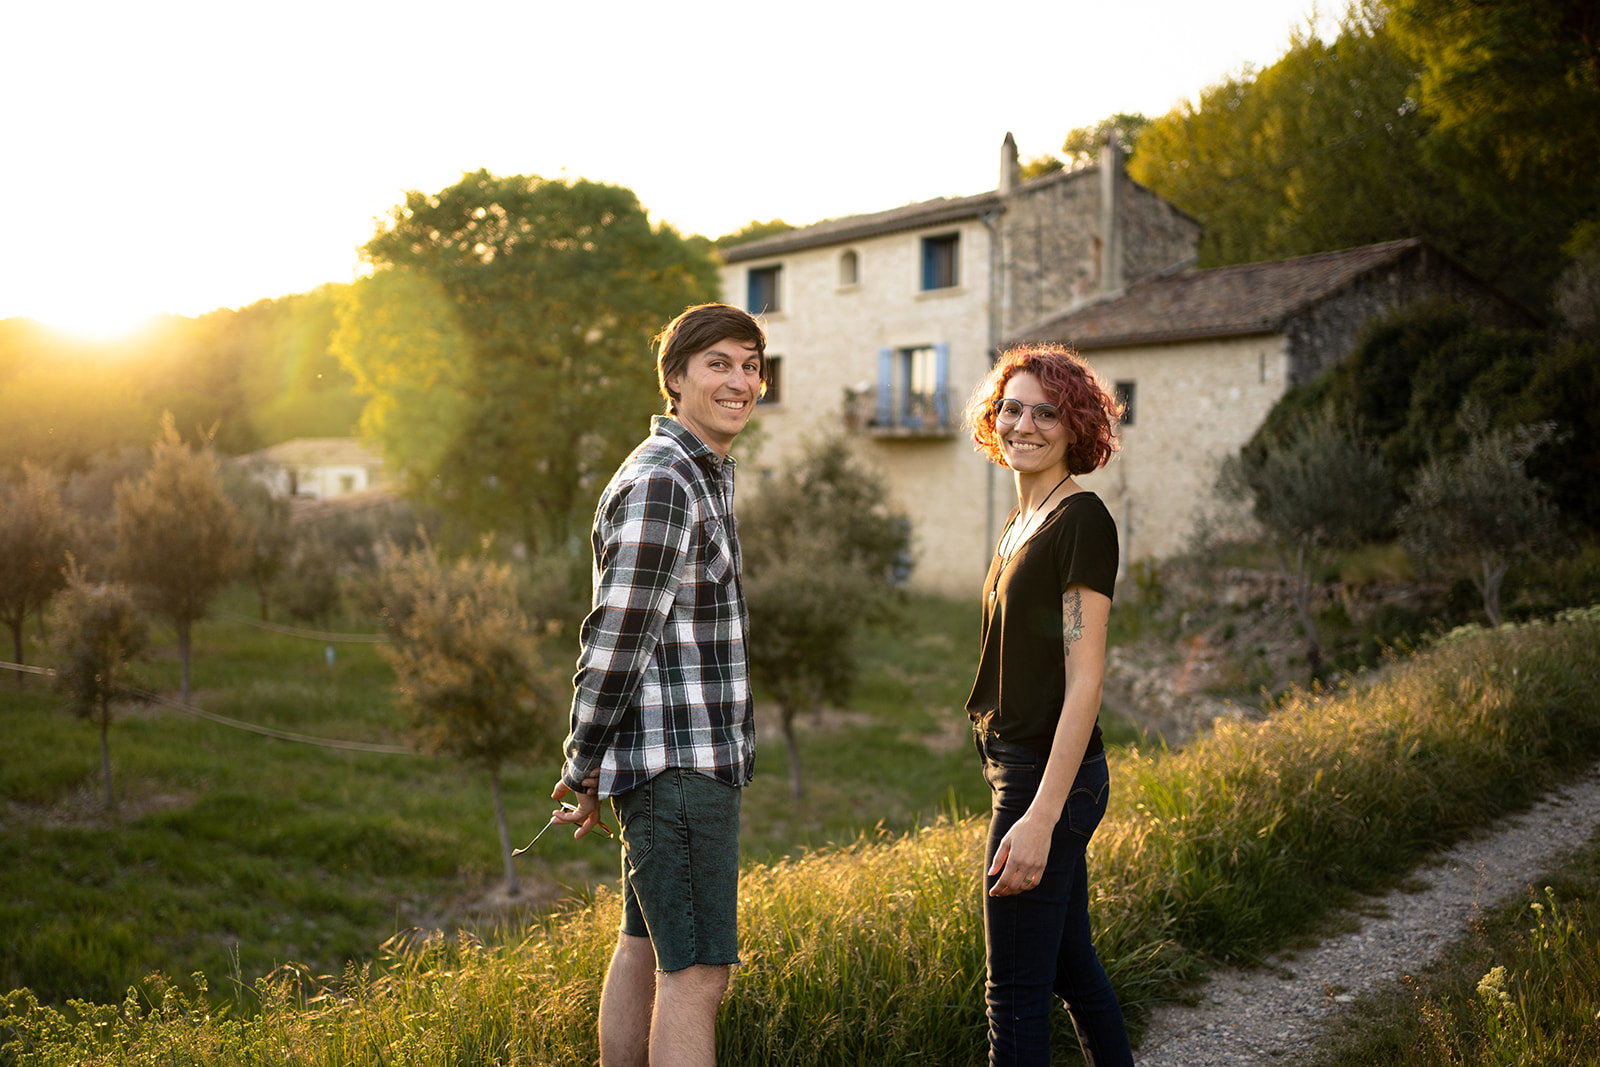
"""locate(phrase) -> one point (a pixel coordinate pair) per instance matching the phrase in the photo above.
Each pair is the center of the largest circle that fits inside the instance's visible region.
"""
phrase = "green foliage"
(1413, 370)
(35, 536)
(1323, 485)
(1330, 148)
(1476, 511)
(309, 587)
(95, 631)
(1522, 77)
(503, 343)
(1082, 146)
(820, 542)
(265, 519)
(179, 538)
(751, 231)
(467, 666)
(465, 657)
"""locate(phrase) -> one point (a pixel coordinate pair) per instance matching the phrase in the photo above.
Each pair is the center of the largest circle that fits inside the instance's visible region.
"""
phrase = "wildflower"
(1492, 987)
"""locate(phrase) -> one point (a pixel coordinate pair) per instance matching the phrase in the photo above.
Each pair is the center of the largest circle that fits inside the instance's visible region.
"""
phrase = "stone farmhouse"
(880, 325)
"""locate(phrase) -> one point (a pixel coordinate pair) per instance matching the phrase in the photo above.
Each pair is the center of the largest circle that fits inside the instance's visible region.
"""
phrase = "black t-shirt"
(1022, 671)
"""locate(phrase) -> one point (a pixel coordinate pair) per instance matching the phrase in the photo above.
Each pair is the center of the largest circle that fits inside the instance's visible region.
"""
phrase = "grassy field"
(870, 951)
(232, 853)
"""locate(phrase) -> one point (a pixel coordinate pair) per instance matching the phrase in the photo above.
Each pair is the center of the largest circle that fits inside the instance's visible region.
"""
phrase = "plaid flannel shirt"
(663, 678)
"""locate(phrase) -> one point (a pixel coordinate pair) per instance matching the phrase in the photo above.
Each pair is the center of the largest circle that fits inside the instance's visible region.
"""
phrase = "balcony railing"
(902, 413)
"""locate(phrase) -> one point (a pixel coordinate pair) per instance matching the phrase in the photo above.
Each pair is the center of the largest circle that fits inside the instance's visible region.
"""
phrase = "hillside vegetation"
(871, 952)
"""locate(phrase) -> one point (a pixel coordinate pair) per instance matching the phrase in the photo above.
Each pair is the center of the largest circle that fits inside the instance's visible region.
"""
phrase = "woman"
(1044, 414)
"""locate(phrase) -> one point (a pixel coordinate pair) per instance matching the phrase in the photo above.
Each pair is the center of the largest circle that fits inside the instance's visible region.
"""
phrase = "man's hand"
(587, 813)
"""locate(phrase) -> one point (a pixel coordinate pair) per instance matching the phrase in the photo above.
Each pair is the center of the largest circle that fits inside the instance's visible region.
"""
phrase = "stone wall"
(1322, 336)
(1054, 248)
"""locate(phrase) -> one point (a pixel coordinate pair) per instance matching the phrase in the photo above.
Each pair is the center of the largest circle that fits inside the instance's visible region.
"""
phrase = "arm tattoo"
(1071, 619)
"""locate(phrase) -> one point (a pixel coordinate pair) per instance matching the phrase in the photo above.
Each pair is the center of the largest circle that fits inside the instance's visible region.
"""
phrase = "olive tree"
(95, 630)
(179, 538)
(468, 668)
(35, 537)
(821, 544)
(1322, 485)
(1478, 511)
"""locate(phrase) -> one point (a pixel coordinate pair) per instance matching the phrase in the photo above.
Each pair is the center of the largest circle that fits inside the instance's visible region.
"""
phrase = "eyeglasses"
(602, 827)
(1008, 412)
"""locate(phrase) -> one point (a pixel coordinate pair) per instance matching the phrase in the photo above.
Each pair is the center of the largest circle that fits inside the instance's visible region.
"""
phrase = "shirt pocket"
(716, 552)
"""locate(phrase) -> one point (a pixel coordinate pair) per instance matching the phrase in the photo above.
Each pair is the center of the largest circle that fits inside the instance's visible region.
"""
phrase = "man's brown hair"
(696, 330)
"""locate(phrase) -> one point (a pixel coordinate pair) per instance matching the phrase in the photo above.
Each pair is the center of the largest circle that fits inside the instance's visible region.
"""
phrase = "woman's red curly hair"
(1089, 410)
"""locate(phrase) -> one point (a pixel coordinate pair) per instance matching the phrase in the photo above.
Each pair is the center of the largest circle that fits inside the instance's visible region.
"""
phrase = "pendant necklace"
(1019, 533)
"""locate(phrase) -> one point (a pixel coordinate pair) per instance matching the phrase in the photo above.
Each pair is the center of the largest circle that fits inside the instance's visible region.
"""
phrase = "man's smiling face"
(717, 391)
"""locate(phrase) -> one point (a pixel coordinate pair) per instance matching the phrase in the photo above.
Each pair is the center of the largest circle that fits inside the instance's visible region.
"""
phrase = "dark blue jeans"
(1038, 942)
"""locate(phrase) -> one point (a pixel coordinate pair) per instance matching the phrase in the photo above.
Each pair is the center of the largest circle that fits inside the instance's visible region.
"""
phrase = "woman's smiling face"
(1027, 448)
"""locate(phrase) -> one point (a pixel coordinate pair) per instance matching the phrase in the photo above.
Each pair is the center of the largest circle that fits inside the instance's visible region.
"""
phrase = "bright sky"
(183, 156)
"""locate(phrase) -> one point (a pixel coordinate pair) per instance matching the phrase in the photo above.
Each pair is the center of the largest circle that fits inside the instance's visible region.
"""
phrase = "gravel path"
(1271, 1015)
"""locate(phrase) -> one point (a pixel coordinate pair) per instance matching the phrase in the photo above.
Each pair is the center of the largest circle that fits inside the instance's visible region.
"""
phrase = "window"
(849, 268)
(1125, 393)
(347, 483)
(772, 375)
(913, 388)
(763, 290)
(941, 257)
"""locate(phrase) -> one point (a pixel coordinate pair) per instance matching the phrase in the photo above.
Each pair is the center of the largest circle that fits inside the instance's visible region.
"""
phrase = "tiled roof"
(856, 227)
(1220, 302)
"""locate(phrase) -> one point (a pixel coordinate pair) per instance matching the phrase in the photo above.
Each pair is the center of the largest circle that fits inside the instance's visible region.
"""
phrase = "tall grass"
(870, 953)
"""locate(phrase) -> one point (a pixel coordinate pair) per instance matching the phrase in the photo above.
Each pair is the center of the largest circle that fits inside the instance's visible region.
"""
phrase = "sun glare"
(96, 324)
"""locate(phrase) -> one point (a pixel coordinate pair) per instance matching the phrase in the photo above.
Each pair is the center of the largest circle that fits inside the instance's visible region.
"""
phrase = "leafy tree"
(466, 658)
(503, 343)
(751, 231)
(1329, 147)
(309, 588)
(1082, 146)
(179, 538)
(1039, 166)
(1523, 76)
(821, 544)
(1477, 511)
(35, 539)
(266, 523)
(91, 497)
(95, 631)
(1323, 485)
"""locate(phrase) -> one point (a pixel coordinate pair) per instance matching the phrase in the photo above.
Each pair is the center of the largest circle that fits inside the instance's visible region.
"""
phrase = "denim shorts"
(680, 868)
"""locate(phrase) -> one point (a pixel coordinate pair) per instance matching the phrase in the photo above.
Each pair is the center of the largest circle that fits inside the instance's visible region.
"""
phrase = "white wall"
(1195, 403)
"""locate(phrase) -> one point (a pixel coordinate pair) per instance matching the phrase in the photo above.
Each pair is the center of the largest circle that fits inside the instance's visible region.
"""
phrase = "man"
(662, 720)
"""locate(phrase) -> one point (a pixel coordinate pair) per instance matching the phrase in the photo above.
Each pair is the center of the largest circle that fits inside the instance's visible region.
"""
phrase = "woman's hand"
(1021, 856)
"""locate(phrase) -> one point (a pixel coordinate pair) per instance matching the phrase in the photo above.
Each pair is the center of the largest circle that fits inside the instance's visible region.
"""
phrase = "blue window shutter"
(885, 387)
(941, 384)
(930, 268)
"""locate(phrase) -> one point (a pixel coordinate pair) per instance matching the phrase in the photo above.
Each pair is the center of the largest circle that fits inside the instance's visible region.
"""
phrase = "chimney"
(1111, 187)
(1008, 165)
